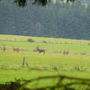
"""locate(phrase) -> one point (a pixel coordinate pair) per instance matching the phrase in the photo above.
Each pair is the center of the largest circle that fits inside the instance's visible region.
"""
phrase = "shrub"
(88, 43)
(30, 40)
(44, 41)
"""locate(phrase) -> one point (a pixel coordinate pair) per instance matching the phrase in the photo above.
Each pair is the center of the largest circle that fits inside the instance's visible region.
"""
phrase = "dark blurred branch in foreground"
(56, 76)
(63, 83)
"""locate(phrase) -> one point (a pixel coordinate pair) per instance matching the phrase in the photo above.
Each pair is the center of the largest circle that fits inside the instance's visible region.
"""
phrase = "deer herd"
(37, 49)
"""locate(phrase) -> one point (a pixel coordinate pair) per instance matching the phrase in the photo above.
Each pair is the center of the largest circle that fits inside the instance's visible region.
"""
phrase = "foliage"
(44, 41)
(22, 3)
(30, 40)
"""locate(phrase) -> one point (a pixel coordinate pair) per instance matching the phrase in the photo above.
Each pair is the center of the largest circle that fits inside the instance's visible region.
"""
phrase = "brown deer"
(40, 50)
(16, 50)
(66, 52)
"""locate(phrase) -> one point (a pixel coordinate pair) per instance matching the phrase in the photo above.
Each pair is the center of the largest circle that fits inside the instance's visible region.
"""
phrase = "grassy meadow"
(53, 62)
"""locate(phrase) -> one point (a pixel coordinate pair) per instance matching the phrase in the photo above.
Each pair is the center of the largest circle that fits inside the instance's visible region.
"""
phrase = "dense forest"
(57, 19)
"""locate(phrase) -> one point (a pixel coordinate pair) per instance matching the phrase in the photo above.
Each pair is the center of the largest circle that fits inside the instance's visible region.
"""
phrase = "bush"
(88, 43)
(30, 40)
(44, 41)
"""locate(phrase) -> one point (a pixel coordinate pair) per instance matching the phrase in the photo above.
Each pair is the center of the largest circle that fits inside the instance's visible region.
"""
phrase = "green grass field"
(75, 64)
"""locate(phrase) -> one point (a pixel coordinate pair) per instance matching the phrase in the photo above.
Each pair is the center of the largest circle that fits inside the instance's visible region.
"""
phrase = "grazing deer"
(16, 49)
(40, 50)
(66, 52)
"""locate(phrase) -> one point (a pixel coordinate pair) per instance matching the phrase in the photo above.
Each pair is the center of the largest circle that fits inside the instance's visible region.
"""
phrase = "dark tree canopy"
(57, 19)
(22, 3)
